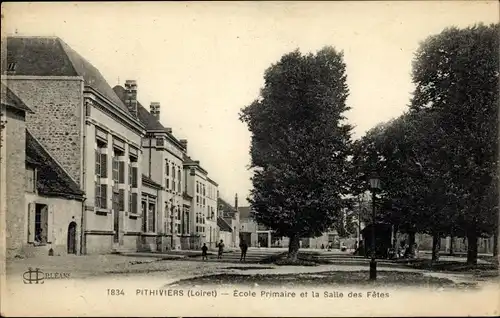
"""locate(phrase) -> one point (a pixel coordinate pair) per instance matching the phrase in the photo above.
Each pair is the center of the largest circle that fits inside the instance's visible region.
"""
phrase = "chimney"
(236, 201)
(154, 109)
(184, 144)
(131, 101)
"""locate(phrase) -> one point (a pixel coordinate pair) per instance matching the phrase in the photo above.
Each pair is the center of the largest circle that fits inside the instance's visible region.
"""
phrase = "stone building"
(230, 216)
(53, 205)
(12, 170)
(203, 216)
(88, 130)
(162, 164)
(42, 204)
(212, 229)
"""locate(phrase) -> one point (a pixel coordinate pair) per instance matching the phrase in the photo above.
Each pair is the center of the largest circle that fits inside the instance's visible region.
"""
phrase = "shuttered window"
(134, 203)
(104, 195)
(121, 172)
(134, 177)
(104, 165)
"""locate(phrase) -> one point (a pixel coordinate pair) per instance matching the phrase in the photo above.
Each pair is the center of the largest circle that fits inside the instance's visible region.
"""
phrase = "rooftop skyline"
(205, 61)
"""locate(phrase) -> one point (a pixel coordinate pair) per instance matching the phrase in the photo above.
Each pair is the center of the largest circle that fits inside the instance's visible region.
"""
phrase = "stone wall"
(14, 141)
(58, 119)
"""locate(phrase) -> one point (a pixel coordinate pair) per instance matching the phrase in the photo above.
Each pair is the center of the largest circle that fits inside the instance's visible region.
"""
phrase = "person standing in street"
(244, 248)
(204, 251)
(221, 249)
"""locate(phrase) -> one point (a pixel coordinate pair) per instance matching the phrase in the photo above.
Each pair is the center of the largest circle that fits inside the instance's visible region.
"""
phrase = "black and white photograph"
(246, 158)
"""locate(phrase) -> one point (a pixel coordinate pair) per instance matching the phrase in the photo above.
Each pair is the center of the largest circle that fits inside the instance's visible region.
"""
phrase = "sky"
(205, 61)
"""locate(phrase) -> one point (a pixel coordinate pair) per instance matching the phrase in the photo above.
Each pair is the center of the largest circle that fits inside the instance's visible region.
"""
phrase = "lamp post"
(374, 185)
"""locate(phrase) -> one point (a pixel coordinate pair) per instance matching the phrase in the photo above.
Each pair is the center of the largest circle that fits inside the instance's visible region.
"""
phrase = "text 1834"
(115, 292)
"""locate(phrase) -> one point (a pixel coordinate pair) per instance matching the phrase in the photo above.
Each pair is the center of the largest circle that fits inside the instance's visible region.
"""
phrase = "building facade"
(140, 191)
(88, 130)
(162, 164)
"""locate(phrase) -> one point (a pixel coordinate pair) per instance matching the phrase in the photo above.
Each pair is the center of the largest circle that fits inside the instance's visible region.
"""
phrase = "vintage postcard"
(249, 158)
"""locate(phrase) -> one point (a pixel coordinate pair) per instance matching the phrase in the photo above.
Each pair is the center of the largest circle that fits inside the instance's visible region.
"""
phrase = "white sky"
(204, 61)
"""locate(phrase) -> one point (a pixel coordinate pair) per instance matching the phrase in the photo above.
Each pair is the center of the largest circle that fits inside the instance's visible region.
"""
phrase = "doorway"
(71, 238)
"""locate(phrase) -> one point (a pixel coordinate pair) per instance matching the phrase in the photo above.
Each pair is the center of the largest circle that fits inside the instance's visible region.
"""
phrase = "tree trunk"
(436, 244)
(293, 247)
(472, 247)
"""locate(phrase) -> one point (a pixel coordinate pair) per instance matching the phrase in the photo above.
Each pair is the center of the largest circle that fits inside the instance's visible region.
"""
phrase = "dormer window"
(11, 67)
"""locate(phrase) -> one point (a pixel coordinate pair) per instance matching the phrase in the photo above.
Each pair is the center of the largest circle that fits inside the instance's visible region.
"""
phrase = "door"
(71, 238)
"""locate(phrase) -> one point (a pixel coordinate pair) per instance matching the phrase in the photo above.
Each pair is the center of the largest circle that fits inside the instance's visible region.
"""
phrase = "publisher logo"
(36, 276)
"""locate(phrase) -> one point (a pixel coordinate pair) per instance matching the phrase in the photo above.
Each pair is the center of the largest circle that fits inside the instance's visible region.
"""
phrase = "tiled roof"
(10, 99)
(244, 212)
(144, 116)
(148, 181)
(51, 56)
(52, 179)
(223, 226)
(224, 206)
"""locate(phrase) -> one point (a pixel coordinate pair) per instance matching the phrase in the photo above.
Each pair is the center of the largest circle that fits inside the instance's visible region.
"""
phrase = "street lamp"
(374, 185)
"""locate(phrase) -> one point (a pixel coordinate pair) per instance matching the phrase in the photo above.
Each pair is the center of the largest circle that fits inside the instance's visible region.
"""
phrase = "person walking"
(204, 251)
(244, 248)
(221, 249)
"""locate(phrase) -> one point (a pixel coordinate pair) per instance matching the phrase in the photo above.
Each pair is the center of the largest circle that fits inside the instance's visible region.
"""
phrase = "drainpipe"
(84, 175)
(150, 150)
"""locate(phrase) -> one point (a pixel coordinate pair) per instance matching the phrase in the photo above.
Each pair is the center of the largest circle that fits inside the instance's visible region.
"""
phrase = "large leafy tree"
(456, 76)
(300, 145)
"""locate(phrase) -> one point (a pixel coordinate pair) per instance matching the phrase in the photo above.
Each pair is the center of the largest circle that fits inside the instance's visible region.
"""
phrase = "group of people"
(220, 250)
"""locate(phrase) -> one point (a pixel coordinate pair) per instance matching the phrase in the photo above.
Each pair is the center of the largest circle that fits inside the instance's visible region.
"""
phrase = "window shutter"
(121, 172)
(121, 199)
(50, 224)
(104, 196)
(134, 203)
(31, 222)
(97, 163)
(134, 177)
(104, 165)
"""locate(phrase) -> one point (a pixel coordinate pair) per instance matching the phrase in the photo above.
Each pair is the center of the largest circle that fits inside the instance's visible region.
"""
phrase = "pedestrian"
(244, 248)
(221, 249)
(204, 250)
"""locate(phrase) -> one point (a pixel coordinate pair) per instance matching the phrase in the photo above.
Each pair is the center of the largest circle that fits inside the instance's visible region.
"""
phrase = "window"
(151, 217)
(167, 168)
(160, 142)
(11, 67)
(38, 224)
(101, 195)
(144, 207)
(148, 207)
(197, 187)
(30, 179)
(173, 171)
(173, 185)
(115, 169)
(178, 228)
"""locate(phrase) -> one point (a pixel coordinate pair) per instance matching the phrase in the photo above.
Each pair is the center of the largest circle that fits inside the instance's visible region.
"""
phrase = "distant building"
(230, 216)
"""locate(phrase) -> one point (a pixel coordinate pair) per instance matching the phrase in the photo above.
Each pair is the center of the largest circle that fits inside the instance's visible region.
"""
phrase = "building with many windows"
(162, 166)
(88, 130)
(139, 188)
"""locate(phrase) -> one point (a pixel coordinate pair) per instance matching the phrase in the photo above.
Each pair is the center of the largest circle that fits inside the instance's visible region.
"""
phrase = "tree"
(300, 145)
(456, 77)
